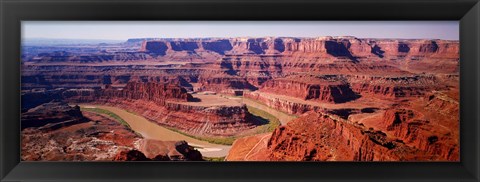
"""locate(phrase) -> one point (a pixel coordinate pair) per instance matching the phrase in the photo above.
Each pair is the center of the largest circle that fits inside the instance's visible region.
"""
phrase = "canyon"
(340, 98)
(74, 135)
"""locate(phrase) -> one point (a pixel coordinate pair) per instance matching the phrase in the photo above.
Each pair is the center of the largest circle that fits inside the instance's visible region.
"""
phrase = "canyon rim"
(241, 98)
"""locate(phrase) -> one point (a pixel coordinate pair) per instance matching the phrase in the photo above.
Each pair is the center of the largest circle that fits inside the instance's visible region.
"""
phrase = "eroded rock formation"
(54, 114)
(97, 138)
(395, 86)
(168, 105)
(366, 99)
(287, 105)
(323, 137)
(250, 58)
(423, 132)
(325, 88)
(155, 150)
(55, 131)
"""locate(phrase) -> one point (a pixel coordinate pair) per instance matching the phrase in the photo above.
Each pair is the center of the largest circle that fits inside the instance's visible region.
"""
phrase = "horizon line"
(238, 37)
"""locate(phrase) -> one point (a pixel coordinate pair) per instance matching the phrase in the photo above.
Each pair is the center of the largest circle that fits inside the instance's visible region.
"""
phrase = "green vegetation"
(215, 140)
(269, 121)
(260, 103)
(112, 115)
(214, 159)
(268, 124)
(108, 113)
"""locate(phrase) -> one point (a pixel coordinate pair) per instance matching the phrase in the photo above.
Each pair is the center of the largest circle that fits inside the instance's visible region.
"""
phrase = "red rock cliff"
(156, 92)
(326, 88)
(423, 134)
(323, 137)
(325, 47)
(168, 105)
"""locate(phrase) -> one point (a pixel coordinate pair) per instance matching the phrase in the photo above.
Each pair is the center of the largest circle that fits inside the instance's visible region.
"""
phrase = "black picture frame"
(12, 12)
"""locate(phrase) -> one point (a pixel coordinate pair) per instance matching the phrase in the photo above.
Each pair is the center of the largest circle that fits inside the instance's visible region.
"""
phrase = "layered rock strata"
(326, 47)
(408, 89)
(434, 131)
(54, 114)
(96, 139)
(169, 105)
(282, 104)
(255, 60)
(326, 88)
(90, 137)
(321, 137)
(395, 86)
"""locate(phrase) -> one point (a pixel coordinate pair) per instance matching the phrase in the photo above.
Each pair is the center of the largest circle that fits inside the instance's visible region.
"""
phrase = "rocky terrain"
(163, 103)
(326, 88)
(155, 150)
(354, 99)
(65, 133)
(53, 114)
(318, 136)
(238, 61)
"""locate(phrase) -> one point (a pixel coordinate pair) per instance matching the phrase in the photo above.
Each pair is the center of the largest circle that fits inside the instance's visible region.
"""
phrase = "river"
(151, 130)
(154, 131)
(282, 117)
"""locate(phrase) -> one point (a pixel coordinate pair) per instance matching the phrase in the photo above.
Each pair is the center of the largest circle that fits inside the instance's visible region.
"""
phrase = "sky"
(123, 30)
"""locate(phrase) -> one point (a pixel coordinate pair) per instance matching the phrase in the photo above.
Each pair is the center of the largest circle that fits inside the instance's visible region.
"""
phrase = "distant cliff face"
(274, 54)
(326, 47)
(217, 64)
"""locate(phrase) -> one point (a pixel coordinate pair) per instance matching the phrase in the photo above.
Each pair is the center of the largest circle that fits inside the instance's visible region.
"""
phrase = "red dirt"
(406, 91)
